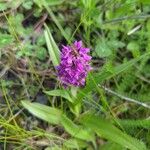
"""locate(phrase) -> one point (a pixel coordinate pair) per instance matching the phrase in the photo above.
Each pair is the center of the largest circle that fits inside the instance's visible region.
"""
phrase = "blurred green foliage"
(111, 112)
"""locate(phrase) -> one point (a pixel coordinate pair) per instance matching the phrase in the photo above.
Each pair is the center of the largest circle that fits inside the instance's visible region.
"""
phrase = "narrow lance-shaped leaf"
(127, 123)
(55, 116)
(49, 114)
(52, 47)
(59, 92)
(75, 130)
(108, 131)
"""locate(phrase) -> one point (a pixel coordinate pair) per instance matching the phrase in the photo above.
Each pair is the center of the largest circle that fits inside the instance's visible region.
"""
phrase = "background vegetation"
(112, 112)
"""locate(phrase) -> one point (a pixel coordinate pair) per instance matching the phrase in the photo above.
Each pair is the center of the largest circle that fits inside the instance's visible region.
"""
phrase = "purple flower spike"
(74, 64)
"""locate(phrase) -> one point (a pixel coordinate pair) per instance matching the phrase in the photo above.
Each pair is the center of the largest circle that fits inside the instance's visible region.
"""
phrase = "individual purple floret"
(74, 64)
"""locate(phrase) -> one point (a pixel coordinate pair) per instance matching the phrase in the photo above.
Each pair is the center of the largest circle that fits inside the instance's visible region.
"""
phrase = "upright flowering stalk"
(74, 64)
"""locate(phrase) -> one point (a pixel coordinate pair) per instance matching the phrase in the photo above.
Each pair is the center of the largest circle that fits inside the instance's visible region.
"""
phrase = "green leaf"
(49, 114)
(16, 26)
(41, 53)
(52, 47)
(112, 146)
(5, 40)
(72, 143)
(55, 116)
(144, 123)
(103, 49)
(122, 10)
(108, 131)
(75, 130)
(75, 143)
(3, 6)
(27, 4)
(144, 1)
(41, 40)
(115, 44)
(134, 47)
(62, 93)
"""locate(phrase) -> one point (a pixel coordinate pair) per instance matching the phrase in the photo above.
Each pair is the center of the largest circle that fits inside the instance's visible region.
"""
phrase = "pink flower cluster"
(74, 64)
